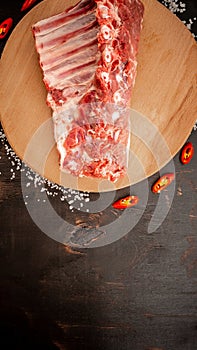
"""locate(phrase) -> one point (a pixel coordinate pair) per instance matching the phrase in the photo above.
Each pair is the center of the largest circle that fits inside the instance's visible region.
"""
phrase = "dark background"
(138, 293)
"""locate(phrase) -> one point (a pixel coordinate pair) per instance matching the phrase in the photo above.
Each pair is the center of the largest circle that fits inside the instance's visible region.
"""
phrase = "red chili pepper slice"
(187, 153)
(163, 182)
(5, 27)
(27, 4)
(126, 202)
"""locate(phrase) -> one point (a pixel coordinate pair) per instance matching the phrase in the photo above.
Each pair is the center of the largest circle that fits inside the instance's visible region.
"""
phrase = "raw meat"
(88, 58)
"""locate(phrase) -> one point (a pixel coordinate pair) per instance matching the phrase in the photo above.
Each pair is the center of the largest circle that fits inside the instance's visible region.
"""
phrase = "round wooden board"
(164, 100)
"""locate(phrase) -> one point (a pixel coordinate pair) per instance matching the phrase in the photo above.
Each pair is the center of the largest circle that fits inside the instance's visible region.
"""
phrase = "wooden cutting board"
(163, 103)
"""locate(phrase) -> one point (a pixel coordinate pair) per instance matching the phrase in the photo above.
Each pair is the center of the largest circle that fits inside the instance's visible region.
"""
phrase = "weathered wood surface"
(137, 293)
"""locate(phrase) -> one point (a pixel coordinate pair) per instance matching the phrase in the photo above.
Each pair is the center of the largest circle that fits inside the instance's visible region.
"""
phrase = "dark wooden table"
(137, 293)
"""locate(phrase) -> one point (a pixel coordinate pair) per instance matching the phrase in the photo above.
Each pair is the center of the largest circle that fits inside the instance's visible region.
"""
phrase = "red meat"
(88, 56)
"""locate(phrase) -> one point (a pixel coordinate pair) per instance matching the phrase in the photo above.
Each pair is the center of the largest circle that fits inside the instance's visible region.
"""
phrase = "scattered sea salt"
(195, 126)
(175, 6)
(189, 24)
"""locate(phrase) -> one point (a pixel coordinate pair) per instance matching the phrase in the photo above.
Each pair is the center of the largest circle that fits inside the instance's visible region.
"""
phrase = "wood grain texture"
(138, 293)
(164, 100)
